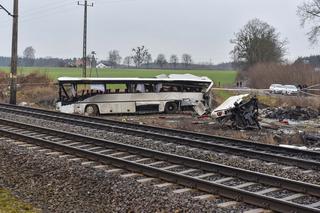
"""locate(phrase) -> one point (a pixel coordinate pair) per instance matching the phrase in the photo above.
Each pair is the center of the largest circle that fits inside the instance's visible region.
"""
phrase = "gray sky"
(202, 28)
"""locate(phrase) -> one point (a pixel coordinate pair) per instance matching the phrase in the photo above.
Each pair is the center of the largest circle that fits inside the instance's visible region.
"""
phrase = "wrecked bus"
(164, 93)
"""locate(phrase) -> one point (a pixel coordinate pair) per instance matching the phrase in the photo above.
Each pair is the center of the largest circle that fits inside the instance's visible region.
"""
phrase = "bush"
(261, 76)
(34, 88)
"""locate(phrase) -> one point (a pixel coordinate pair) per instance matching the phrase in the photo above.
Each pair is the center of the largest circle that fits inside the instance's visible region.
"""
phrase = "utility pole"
(14, 55)
(14, 52)
(84, 57)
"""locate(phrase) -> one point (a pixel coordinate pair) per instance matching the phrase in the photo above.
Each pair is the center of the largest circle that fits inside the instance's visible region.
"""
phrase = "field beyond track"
(224, 77)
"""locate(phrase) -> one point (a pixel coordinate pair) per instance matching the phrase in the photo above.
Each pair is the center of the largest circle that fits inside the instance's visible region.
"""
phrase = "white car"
(276, 88)
(289, 90)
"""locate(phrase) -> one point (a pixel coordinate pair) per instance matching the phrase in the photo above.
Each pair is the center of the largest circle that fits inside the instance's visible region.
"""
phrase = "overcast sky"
(202, 28)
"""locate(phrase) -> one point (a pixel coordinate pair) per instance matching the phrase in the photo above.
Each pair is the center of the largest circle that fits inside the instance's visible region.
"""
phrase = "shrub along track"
(278, 194)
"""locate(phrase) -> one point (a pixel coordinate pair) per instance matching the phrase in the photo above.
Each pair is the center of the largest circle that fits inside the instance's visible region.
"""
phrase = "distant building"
(102, 65)
(79, 63)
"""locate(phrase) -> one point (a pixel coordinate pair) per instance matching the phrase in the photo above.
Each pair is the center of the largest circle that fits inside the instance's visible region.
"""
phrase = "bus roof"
(159, 78)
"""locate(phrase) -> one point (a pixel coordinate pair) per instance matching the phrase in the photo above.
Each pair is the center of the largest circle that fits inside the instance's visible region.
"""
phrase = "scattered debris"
(292, 113)
(23, 103)
(311, 139)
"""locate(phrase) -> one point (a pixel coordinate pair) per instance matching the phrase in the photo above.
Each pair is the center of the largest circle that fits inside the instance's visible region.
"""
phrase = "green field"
(10, 204)
(224, 77)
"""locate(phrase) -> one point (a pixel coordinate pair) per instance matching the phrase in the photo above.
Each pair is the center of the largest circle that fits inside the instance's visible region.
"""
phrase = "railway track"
(237, 184)
(270, 153)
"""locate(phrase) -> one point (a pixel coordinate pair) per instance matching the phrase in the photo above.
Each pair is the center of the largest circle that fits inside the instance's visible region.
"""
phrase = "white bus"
(164, 93)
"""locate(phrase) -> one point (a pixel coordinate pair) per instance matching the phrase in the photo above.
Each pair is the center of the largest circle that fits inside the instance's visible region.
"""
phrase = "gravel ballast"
(56, 185)
(235, 161)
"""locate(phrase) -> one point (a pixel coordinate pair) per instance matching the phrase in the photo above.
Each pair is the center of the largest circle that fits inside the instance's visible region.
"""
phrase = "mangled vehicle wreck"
(241, 111)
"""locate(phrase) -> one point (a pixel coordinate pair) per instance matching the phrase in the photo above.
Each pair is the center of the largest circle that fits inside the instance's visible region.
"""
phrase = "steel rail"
(256, 150)
(200, 164)
(203, 185)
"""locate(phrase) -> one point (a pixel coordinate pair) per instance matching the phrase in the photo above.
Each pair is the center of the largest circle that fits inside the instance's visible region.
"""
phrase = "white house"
(102, 66)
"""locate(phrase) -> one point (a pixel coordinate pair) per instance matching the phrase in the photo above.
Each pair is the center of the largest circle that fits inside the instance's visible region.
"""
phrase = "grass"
(224, 77)
(9, 204)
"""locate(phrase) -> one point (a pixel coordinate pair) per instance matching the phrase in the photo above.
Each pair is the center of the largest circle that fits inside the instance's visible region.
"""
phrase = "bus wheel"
(92, 110)
(171, 108)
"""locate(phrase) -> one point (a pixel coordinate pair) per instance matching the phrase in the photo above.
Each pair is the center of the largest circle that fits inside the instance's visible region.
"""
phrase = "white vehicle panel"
(65, 109)
(143, 97)
(220, 111)
(121, 107)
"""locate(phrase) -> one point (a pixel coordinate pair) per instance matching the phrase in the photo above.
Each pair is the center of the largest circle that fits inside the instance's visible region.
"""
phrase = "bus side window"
(174, 89)
(140, 88)
(159, 88)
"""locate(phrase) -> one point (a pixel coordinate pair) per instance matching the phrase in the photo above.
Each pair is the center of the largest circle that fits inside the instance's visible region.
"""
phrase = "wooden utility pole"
(14, 55)
(84, 57)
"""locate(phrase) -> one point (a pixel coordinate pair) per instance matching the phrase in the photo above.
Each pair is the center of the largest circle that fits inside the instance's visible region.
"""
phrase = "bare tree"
(93, 60)
(114, 58)
(186, 59)
(309, 12)
(140, 54)
(174, 60)
(29, 55)
(161, 60)
(148, 59)
(127, 61)
(257, 42)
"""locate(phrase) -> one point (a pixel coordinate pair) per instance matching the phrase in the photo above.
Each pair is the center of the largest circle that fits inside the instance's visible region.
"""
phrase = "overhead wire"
(116, 1)
(51, 9)
(45, 6)
(43, 9)
(39, 15)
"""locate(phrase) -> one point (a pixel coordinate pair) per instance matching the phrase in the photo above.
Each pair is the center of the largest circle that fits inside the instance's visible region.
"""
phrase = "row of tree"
(39, 62)
(141, 57)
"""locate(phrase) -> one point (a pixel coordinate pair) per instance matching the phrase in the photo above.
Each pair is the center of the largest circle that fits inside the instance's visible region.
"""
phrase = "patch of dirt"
(273, 131)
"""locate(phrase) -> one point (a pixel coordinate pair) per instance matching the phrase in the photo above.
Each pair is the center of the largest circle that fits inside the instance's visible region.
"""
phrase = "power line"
(50, 9)
(45, 7)
(35, 14)
(84, 58)
(7, 11)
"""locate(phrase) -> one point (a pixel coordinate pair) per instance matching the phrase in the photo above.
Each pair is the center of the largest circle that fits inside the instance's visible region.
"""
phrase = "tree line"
(141, 58)
(38, 62)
